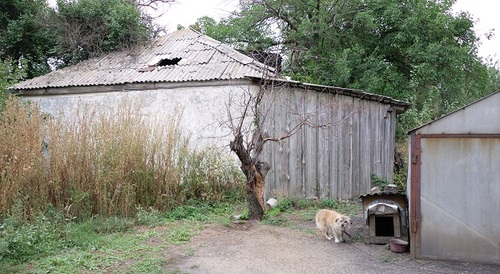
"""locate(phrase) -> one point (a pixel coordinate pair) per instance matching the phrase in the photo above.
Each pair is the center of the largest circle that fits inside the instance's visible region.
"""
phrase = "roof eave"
(65, 90)
(398, 105)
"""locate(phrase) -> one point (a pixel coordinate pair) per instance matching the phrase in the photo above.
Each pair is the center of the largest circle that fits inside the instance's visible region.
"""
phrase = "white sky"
(186, 12)
(485, 14)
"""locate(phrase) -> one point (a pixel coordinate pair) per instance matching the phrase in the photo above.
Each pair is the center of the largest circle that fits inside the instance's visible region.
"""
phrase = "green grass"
(128, 251)
(289, 211)
(100, 245)
(131, 245)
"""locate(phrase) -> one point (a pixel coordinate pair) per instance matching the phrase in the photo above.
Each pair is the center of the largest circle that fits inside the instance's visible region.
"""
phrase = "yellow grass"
(103, 163)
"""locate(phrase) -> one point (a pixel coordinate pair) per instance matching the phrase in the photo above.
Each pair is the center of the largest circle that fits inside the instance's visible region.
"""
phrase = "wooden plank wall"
(335, 161)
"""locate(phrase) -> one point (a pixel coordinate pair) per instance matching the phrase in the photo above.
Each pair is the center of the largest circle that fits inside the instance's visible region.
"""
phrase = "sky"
(186, 12)
(485, 13)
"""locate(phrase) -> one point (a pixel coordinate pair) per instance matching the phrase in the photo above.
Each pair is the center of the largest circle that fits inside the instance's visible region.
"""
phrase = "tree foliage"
(414, 50)
(88, 28)
(24, 34)
(52, 37)
(9, 74)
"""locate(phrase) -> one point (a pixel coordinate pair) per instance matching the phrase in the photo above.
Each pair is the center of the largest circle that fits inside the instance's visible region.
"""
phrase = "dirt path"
(260, 248)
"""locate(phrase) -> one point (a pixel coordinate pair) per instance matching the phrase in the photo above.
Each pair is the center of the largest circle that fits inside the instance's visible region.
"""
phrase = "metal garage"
(454, 185)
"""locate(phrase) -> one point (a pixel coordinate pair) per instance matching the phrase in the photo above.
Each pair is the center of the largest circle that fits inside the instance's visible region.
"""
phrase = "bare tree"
(249, 134)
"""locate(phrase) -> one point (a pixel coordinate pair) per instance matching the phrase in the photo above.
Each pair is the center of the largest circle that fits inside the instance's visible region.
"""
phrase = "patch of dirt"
(254, 247)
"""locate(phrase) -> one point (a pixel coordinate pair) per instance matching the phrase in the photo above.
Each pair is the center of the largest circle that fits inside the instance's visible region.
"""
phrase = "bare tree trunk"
(255, 190)
(255, 173)
(249, 151)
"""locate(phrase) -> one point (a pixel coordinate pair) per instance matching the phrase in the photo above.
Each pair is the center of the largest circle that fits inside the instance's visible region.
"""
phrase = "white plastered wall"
(202, 107)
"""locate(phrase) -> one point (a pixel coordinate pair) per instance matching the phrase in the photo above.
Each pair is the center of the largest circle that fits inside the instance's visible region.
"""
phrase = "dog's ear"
(337, 219)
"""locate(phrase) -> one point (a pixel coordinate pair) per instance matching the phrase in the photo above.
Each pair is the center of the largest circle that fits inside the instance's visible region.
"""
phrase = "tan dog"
(330, 220)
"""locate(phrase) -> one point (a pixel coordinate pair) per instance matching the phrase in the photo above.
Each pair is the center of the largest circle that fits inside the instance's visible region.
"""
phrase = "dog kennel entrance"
(385, 217)
(384, 226)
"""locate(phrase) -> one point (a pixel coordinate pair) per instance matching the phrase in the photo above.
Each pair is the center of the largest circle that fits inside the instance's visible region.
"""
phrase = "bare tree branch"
(154, 4)
(250, 113)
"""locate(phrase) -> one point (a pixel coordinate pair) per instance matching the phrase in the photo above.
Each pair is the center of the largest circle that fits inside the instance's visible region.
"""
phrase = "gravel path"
(260, 248)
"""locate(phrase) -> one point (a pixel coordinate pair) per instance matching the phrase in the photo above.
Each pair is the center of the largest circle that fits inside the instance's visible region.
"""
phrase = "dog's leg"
(337, 235)
(337, 240)
(331, 233)
(324, 230)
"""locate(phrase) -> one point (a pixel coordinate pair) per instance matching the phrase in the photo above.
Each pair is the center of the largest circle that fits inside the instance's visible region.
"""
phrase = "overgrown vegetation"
(130, 245)
(71, 187)
(105, 164)
(99, 244)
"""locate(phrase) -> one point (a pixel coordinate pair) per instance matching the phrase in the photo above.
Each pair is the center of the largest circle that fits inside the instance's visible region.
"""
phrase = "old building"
(204, 80)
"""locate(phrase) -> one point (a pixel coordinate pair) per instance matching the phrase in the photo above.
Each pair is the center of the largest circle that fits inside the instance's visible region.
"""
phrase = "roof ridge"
(230, 52)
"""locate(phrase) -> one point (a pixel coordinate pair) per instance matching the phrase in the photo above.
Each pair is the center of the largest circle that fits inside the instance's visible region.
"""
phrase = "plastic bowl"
(398, 245)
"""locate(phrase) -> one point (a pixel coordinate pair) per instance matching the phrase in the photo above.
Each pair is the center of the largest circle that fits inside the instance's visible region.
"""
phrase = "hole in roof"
(168, 62)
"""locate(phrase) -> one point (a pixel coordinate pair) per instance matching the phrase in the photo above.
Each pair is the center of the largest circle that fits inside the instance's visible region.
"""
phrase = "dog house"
(385, 216)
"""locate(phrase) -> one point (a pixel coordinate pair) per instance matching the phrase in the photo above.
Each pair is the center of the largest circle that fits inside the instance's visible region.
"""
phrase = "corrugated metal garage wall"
(454, 185)
(460, 198)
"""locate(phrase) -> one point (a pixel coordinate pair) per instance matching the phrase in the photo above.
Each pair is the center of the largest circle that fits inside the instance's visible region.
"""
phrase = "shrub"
(22, 241)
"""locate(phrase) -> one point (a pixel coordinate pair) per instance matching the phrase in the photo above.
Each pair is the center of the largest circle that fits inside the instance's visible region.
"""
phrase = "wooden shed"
(336, 161)
(454, 185)
(188, 72)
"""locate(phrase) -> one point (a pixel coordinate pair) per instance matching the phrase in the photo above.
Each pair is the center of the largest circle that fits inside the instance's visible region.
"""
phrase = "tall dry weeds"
(109, 162)
(105, 163)
(21, 160)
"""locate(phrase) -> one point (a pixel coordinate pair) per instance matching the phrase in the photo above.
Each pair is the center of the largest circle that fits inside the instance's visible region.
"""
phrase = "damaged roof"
(181, 56)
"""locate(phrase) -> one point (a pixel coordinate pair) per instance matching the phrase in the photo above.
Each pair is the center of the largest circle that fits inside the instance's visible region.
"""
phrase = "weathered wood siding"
(335, 161)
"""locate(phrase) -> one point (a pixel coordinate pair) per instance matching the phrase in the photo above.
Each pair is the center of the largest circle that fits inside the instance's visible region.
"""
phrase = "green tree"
(241, 32)
(414, 50)
(48, 38)
(25, 34)
(88, 28)
(9, 74)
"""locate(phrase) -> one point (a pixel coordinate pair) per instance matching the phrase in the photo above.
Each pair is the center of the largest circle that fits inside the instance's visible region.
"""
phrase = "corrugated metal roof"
(381, 194)
(202, 59)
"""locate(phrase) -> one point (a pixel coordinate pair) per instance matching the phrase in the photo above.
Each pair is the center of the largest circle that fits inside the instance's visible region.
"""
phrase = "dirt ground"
(254, 247)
